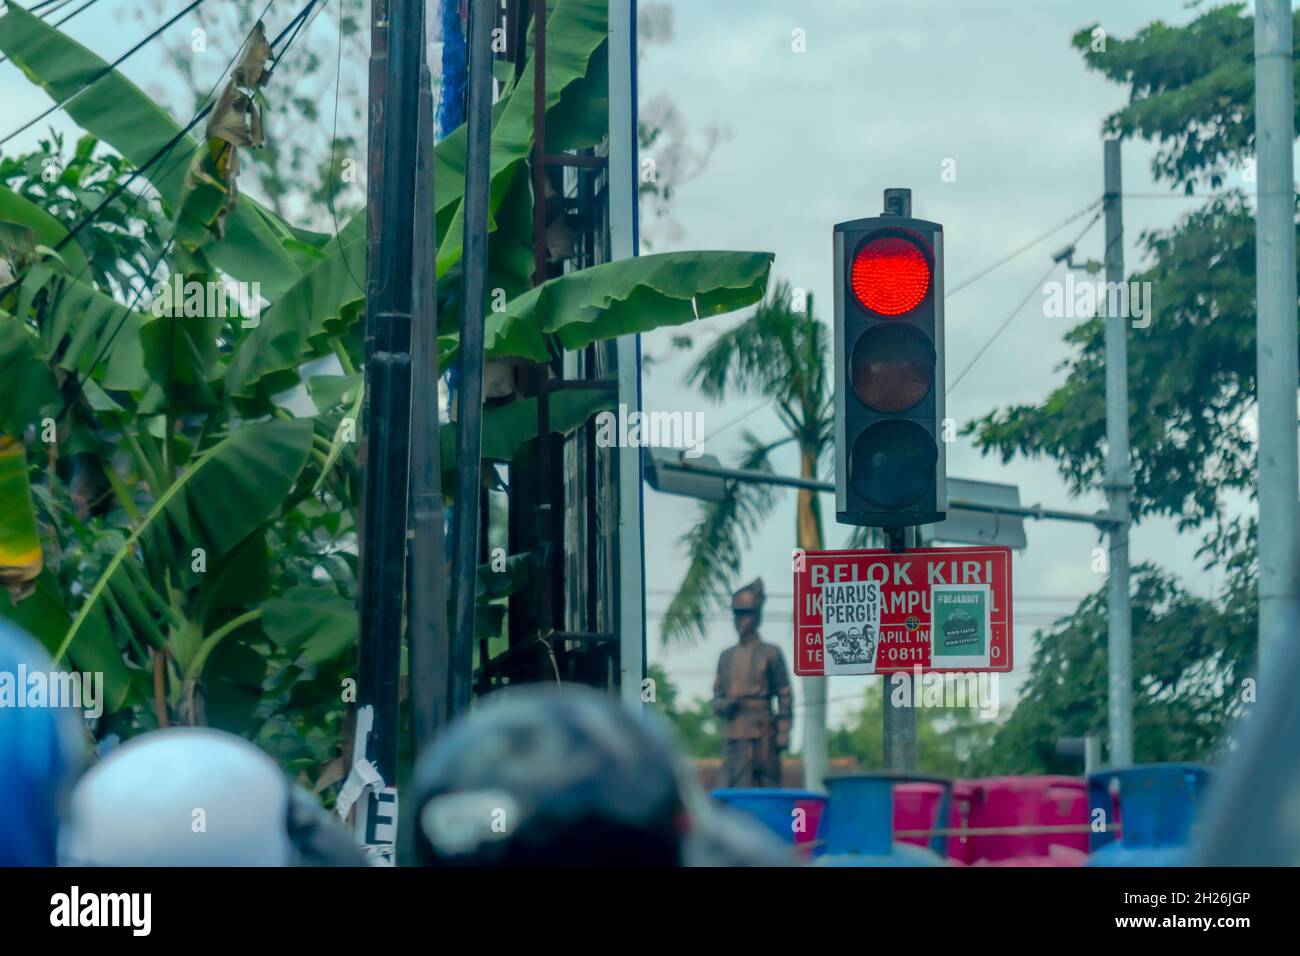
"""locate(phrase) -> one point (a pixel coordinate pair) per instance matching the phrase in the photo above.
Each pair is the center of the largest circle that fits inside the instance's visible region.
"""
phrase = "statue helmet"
(750, 597)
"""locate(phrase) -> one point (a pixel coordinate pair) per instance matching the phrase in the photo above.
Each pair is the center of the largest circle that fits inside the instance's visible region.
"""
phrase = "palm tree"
(781, 354)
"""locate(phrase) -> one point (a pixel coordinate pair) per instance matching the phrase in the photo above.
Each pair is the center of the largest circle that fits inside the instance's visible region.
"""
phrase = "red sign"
(942, 609)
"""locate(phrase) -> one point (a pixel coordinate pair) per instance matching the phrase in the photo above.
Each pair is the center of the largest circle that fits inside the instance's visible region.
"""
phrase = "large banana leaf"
(507, 427)
(119, 113)
(628, 296)
(48, 230)
(226, 493)
(575, 30)
(94, 651)
(323, 302)
(312, 624)
(28, 390)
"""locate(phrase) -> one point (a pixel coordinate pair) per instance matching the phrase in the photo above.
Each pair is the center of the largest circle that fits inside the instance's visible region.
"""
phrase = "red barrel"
(1035, 805)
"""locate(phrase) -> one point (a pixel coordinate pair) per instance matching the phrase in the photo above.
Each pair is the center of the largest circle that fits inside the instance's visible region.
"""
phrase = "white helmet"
(193, 796)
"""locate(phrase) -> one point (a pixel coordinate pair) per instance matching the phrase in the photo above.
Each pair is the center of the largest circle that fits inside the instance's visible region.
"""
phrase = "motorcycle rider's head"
(194, 796)
(41, 747)
(550, 777)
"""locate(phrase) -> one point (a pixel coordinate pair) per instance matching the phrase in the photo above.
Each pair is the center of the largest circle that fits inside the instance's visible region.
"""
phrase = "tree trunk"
(808, 531)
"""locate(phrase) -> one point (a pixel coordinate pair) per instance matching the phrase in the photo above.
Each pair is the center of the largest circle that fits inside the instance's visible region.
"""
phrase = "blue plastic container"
(775, 808)
(1158, 804)
(858, 827)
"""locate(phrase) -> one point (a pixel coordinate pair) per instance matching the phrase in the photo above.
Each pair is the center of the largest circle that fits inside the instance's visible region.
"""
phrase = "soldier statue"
(750, 674)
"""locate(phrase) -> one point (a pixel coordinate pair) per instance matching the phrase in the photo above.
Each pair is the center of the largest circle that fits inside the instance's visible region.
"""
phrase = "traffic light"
(889, 411)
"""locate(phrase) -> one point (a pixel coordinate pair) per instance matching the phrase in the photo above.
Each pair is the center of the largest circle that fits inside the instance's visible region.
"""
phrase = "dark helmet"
(40, 752)
(194, 796)
(550, 777)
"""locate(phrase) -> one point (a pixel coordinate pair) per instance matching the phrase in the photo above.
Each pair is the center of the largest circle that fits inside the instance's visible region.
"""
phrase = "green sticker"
(960, 623)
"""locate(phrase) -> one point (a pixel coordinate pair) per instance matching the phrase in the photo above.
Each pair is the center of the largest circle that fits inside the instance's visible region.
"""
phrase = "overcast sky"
(883, 95)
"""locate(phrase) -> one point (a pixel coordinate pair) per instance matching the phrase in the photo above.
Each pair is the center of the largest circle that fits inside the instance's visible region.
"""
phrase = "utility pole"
(428, 646)
(1119, 480)
(397, 50)
(469, 379)
(1275, 348)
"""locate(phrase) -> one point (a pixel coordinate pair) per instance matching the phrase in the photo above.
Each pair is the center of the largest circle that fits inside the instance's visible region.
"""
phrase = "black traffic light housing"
(889, 373)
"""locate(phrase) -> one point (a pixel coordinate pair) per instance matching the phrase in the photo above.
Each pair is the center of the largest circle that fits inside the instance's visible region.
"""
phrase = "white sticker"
(850, 626)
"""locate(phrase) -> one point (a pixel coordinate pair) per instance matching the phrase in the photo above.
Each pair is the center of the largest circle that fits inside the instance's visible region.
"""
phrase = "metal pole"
(899, 722)
(898, 726)
(469, 378)
(623, 182)
(427, 637)
(397, 49)
(1119, 481)
(954, 504)
(1275, 283)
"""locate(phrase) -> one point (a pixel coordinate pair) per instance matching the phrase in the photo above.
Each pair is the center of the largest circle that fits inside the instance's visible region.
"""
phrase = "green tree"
(698, 731)
(948, 741)
(1191, 394)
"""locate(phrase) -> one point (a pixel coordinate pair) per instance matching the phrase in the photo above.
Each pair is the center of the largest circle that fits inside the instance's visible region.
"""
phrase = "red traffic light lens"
(892, 367)
(890, 275)
(892, 463)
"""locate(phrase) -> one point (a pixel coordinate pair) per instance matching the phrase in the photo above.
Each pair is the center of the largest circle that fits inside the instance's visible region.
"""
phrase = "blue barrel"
(1158, 804)
(858, 828)
(776, 807)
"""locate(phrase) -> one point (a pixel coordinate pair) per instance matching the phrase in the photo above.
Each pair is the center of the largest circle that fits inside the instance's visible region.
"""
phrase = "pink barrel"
(915, 808)
(1039, 801)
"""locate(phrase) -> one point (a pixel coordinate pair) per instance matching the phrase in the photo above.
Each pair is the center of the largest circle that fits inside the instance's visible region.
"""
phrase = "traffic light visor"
(890, 274)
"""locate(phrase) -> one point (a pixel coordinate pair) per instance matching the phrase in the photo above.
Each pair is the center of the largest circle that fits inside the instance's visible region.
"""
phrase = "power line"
(1029, 245)
(950, 293)
(103, 72)
(334, 140)
(54, 7)
(1016, 311)
(296, 22)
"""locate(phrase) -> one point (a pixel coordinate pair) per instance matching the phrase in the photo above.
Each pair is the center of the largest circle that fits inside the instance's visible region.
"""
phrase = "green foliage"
(698, 729)
(1189, 442)
(1190, 657)
(1191, 391)
(1191, 90)
(201, 542)
(119, 243)
(947, 740)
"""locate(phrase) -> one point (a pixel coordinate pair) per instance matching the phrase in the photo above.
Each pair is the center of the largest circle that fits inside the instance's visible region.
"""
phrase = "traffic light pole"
(898, 721)
(1119, 480)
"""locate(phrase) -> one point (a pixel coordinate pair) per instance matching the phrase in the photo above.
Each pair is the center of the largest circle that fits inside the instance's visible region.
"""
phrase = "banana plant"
(198, 529)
